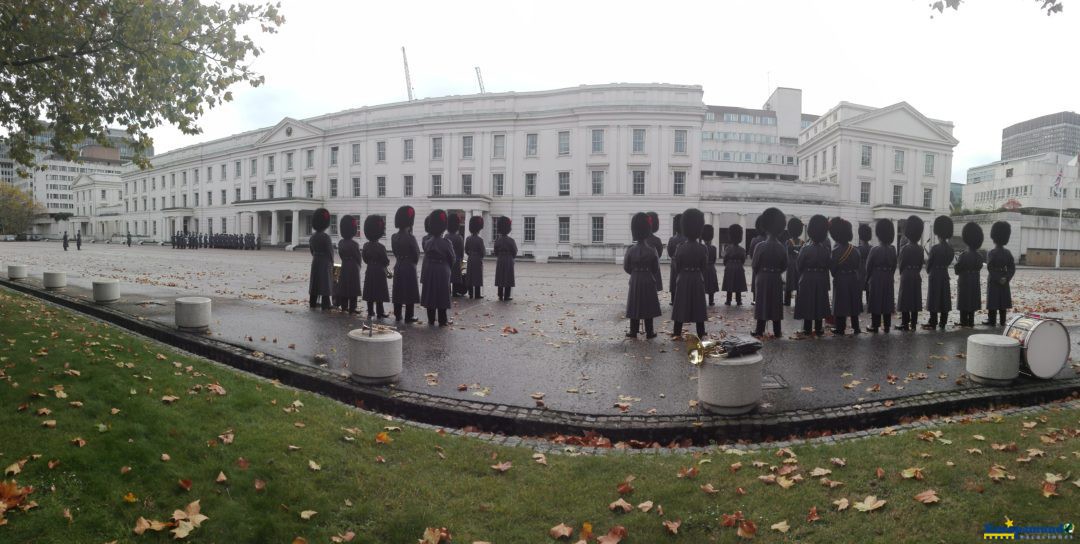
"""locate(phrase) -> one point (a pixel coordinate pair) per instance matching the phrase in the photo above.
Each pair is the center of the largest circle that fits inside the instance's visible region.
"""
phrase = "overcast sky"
(990, 64)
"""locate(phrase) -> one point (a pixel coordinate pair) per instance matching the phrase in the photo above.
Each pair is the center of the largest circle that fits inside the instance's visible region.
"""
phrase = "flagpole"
(1061, 208)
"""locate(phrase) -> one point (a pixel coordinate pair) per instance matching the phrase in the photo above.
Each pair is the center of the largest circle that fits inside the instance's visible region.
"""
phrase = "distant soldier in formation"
(348, 285)
(847, 287)
(794, 245)
(968, 267)
(424, 244)
(65, 241)
(673, 244)
(865, 234)
(712, 283)
(453, 224)
(1001, 268)
(257, 242)
(911, 261)
(642, 262)
(734, 266)
(438, 258)
(880, 272)
(321, 283)
(406, 254)
(475, 249)
(691, 258)
(812, 264)
(78, 240)
(505, 252)
(759, 237)
(376, 292)
(657, 244)
(769, 263)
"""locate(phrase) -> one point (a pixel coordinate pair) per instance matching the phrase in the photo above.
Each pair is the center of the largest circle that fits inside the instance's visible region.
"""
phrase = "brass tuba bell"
(697, 349)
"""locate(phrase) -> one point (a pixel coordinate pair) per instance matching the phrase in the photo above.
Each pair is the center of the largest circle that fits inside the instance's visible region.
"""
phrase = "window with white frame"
(598, 140)
(288, 163)
(864, 192)
(597, 229)
(224, 172)
(333, 155)
(436, 148)
(333, 187)
(564, 183)
(254, 167)
(407, 183)
(638, 182)
(680, 142)
(928, 164)
(236, 170)
(238, 196)
(355, 187)
(289, 188)
(531, 143)
(928, 197)
(269, 164)
(309, 158)
(209, 173)
(466, 147)
(223, 201)
(597, 182)
(356, 151)
(834, 157)
(254, 193)
(530, 184)
(494, 227)
(680, 182)
(497, 184)
(466, 184)
(498, 146)
(564, 142)
(530, 228)
(639, 141)
(867, 156)
(309, 188)
(380, 186)
(564, 229)
(196, 172)
(407, 149)
(824, 155)
(380, 151)
(898, 160)
(333, 225)
(898, 195)
(436, 184)
(269, 193)
(223, 225)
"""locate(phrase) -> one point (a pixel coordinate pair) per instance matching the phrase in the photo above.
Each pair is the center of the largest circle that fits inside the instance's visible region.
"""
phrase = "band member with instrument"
(320, 286)
(911, 260)
(769, 263)
(475, 249)
(1001, 266)
(348, 280)
(880, 271)
(691, 258)
(734, 266)
(438, 258)
(938, 289)
(847, 288)
(505, 252)
(376, 292)
(406, 255)
(643, 264)
(968, 267)
(812, 265)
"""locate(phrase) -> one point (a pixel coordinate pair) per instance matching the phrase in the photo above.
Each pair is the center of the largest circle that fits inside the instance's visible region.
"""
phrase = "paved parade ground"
(569, 342)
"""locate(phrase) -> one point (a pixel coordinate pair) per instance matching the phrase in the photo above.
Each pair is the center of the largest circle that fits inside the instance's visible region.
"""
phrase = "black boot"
(701, 329)
(397, 312)
(478, 295)
(819, 327)
(875, 323)
(634, 324)
(443, 321)
(430, 316)
(759, 329)
(738, 299)
(887, 318)
(313, 301)
(409, 317)
(677, 331)
(728, 302)
(776, 329)
(855, 325)
(507, 297)
(371, 310)
(711, 300)
(381, 310)
(649, 333)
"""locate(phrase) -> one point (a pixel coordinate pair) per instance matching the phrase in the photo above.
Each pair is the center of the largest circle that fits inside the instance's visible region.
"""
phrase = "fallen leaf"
(383, 438)
(142, 525)
(927, 497)
(169, 399)
(620, 504)
(813, 515)
(259, 485)
(817, 472)
(1053, 478)
(185, 485)
(561, 530)
(838, 461)
(672, 526)
(1049, 489)
(781, 526)
(747, 529)
(614, 536)
(540, 459)
(78, 442)
(880, 473)
(221, 478)
(502, 467)
(307, 514)
(130, 497)
(313, 465)
(997, 473)
(709, 489)
(841, 504)
(869, 504)
(165, 457)
(645, 506)
(687, 472)
(912, 472)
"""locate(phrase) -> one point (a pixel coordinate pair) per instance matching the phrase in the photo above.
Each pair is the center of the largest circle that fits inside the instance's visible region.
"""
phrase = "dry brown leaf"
(869, 504)
(841, 504)
(813, 515)
(502, 467)
(709, 489)
(645, 506)
(672, 526)
(620, 505)
(781, 526)
(561, 530)
(927, 497)
(307, 514)
(747, 529)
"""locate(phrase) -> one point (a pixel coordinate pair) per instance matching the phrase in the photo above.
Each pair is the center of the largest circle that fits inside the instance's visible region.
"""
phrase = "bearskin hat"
(784, 237)
(759, 225)
(707, 233)
(943, 227)
(973, 235)
(404, 217)
(772, 220)
(913, 229)
(453, 222)
(692, 222)
(374, 227)
(320, 220)
(794, 227)
(438, 222)
(639, 226)
(476, 224)
(348, 226)
(734, 233)
(427, 223)
(886, 231)
(1000, 232)
(676, 224)
(818, 228)
(836, 226)
(655, 221)
(504, 225)
(865, 232)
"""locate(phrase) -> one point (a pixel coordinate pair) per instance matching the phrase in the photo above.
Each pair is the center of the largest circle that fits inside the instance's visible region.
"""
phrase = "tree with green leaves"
(1049, 6)
(82, 66)
(17, 209)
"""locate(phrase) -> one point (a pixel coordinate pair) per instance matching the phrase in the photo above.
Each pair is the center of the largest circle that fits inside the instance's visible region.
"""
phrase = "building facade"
(1054, 133)
(1022, 184)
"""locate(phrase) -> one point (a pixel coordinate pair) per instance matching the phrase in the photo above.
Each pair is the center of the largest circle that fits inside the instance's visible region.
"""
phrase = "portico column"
(295, 227)
(273, 227)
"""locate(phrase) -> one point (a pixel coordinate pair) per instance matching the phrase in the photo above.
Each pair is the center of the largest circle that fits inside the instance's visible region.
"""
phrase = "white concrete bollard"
(16, 271)
(730, 386)
(993, 359)
(106, 291)
(193, 314)
(375, 358)
(54, 280)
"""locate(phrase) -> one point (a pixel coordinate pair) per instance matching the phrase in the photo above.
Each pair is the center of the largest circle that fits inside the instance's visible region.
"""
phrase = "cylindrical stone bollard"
(993, 359)
(193, 314)
(16, 271)
(106, 291)
(730, 386)
(375, 358)
(54, 280)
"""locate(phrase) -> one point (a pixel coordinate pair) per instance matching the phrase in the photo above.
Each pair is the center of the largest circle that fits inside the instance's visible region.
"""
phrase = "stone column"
(273, 228)
(295, 227)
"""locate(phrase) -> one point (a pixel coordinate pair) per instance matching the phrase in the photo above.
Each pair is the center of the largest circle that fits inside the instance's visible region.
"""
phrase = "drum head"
(1047, 349)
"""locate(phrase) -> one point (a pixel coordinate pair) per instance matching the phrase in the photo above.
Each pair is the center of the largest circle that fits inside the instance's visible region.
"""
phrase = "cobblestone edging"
(510, 421)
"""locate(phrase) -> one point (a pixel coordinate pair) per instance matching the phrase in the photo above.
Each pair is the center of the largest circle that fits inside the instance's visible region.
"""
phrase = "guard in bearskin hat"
(759, 237)
(657, 244)
(321, 284)
(845, 265)
(673, 244)
(865, 235)
(967, 268)
(712, 283)
(910, 261)
(813, 262)
(406, 292)
(475, 249)
(376, 292)
(424, 244)
(438, 257)
(348, 286)
(453, 225)
(505, 252)
(734, 266)
(1001, 267)
(769, 263)
(793, 245)
(938, 289)
(691, 259)
(643, 264)
(880, 271)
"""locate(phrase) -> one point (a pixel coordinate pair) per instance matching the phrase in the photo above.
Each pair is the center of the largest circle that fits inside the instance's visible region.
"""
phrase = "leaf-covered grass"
(390, 492)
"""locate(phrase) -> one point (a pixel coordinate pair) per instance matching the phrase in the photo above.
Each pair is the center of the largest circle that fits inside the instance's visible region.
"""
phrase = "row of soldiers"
(191, 240)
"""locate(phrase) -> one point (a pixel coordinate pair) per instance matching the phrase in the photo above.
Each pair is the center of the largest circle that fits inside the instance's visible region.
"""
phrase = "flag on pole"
(1057, 183)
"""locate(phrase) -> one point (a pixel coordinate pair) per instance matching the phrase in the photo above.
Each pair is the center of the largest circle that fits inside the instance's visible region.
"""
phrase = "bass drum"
(1045, 344)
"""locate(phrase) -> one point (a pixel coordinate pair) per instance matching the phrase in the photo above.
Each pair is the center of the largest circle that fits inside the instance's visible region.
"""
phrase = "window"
(333, 224)
(269, 164)
(498, 146)
(223, 196)
(639, 140)
(407, 149)
(224, 172)
(597, 230)
(466, 147)
(356, 153)
(927, 197)
(564, 143)
(497, 184)
(1008, 172)
(209, 198)
(195, 172)
(223, 225)
(639, 182)
(209, 173)
(597, 182)
(288, 163)
(196, 195)
(564, 183)
(531, 142)
(834, 157)
(269, 194)
(494, 227)
(530, 184)
(333, 155)
(288, 189)
(183, 181)
(309, 188)
(380, 151)
(236, 170)
(815, 164)
(680, 183)
(407, 186)
(466, 184)
(254, 193)
(254, 167)
(333, 188)
(867, 156)
(864, 192)
(824, 155)
(436, 148)
(680, 142)
(564, 229)
(309, 158)
(172, 180)
(436, 184)
(530, 228)
(598, 140)
(380, 186)
(898, 195)
(928, 164)
(898, 160)
(355, 187)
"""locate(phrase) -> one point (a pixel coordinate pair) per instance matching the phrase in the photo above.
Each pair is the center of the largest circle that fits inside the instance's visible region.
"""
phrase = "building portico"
(283, 221)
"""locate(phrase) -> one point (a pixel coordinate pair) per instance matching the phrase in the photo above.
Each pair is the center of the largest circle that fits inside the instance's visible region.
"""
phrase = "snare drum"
(1045, 344)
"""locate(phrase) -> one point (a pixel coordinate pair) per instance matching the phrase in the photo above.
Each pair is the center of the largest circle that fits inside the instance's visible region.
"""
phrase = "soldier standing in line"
(865, 234)
(769, 263)
(657, 244)
(424, 245)
(438, 257)
(376, 292)
(968, 267)
(734, 266)
(691, 258)
(794, 245)
(321, 283)
(643, 264)
(475, 249)
(65, 241)
(78, 240)
(129, 239)
(759, 237)
(812, 265)
(505, 252)
(453, 223)
(1001, 267)
(847, 288)
(406, 292)
(257, 243)
(911, 261)
(348, 286)
(712, 285)
(673, 244)
(880, 270)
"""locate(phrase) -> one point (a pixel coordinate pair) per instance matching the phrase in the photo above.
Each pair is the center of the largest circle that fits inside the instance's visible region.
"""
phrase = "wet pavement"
(569, 343)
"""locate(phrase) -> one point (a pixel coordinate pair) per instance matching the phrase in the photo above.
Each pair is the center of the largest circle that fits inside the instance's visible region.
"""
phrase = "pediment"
(289, 129)
(904, 120)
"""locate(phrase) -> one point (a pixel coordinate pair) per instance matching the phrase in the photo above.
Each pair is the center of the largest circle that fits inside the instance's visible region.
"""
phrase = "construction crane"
(408, 80)
(480, 80)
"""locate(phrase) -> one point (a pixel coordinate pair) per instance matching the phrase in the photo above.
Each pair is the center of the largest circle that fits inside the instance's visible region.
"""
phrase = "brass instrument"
(697, 349)
(337, 272)
(389, 274)
(464, 264)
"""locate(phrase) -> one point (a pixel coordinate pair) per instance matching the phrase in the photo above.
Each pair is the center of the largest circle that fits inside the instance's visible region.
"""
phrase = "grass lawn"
(65, 378)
